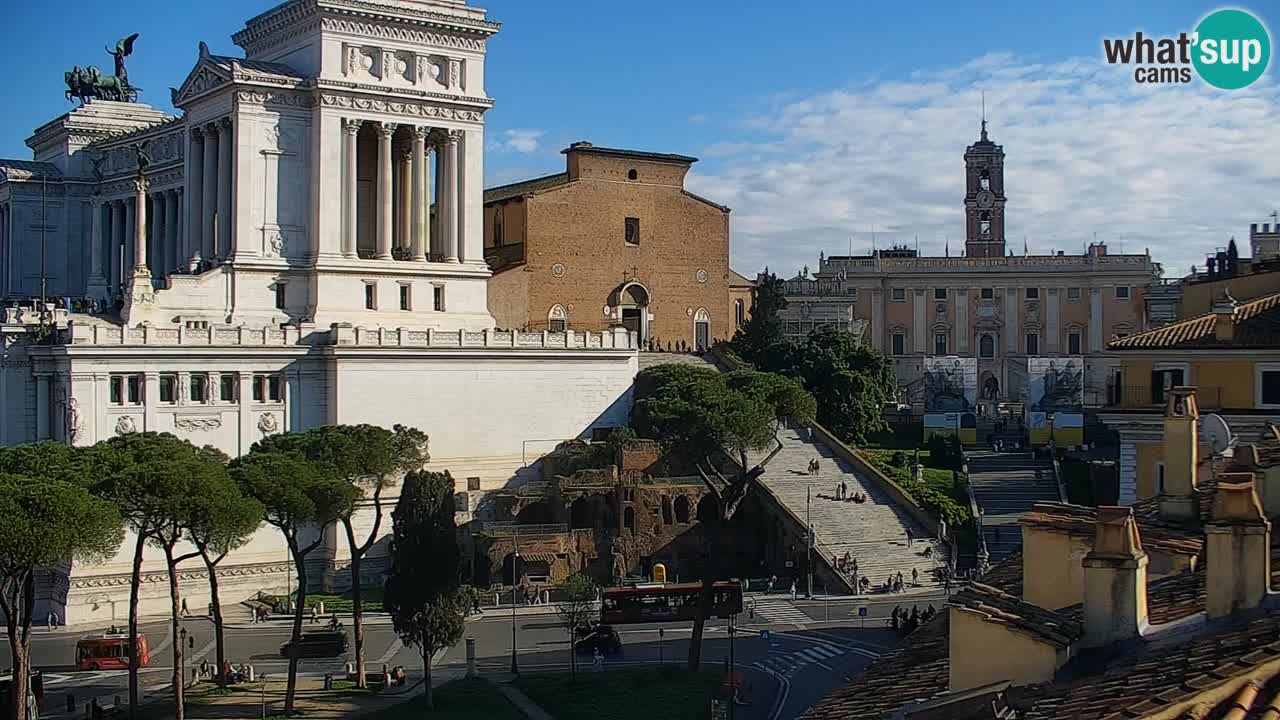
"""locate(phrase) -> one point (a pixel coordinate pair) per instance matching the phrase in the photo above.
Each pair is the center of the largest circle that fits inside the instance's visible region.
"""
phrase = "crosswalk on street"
(787, 664)
(780, 611)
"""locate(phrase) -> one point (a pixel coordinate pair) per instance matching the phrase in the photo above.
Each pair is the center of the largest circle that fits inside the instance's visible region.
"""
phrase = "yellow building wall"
(1148, 482)
(984, 652)
(1198, 298)
(1052, 572)
(1223, 384)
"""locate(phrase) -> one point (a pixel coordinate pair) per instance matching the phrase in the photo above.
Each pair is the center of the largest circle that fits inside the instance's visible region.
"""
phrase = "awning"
(537, 557)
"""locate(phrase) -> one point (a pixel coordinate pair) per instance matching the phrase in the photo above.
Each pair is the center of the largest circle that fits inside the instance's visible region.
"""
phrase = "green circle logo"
(1231, 50)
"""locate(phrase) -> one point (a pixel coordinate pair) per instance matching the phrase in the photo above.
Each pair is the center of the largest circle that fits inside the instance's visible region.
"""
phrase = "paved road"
(813, 646)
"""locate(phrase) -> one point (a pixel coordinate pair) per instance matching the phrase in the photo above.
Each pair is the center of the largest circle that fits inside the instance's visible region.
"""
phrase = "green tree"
(149, 476)
(371, 459)
(764, 327)
(421, 593)
(704, 416)
(44, 520)
(299, 497)
(221, 520)
(575, 610)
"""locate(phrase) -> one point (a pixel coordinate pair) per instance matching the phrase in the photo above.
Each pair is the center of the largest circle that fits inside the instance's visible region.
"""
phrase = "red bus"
(663, 603)
(110, 651)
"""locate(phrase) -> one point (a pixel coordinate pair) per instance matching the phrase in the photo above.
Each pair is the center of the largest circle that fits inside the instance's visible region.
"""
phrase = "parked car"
(318, 644)
(602, 637)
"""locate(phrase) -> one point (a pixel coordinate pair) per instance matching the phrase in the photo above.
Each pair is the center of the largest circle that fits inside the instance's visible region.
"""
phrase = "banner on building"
(950, 384)
(1055, 384)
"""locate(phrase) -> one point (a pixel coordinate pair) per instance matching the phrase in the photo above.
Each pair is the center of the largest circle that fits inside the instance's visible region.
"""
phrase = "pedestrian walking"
(793, 591)
(52, 620)
(915, 577)
(315, 615)
(909, 537)
(185, 612)
(597, 661)
(817, 467)
(844, 490)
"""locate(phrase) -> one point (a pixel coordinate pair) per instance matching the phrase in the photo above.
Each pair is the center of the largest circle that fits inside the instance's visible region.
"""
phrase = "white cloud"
(521, 141)
(1177, 169)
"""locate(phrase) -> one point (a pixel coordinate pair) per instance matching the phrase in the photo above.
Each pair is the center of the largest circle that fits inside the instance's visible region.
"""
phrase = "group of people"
(906, 622)
(814, 466)
(897, 584)
(842, 493)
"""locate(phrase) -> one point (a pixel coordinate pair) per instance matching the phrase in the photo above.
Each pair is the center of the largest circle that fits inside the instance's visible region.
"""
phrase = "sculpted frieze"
(390, 32)
(264, 97)
(400, 107)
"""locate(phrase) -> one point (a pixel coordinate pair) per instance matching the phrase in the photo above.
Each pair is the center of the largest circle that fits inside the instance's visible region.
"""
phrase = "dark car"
(603, 638)
(320, 644)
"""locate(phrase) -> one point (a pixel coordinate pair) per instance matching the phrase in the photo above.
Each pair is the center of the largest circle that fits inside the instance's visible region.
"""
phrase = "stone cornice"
(395, 93)
(395, 106)
(89, 582)
(283, 24)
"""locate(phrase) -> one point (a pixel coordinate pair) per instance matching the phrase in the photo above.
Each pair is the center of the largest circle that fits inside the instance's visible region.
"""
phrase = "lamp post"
(733, 670)
(808, 511)
(182, 666)
(515, 580)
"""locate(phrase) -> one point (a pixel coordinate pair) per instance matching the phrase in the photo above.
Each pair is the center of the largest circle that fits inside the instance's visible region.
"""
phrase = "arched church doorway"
(633, 305)
(702, 330)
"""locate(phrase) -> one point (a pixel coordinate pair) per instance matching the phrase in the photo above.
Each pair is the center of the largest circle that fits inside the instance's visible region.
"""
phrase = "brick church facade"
(616, 239)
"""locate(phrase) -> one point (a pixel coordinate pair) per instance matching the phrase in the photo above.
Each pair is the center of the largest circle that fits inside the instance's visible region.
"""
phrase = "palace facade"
(999, 308)
(267, 261)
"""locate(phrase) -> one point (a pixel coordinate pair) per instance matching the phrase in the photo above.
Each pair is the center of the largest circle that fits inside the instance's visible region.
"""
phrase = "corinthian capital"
(387, 129)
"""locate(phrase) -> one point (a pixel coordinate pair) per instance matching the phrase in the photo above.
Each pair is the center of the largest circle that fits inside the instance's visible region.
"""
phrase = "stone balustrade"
(344, 335)
(51, 315)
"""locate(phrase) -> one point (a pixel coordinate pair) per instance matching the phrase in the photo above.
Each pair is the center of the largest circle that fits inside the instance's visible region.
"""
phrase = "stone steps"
(1007, 485)
(874, 533)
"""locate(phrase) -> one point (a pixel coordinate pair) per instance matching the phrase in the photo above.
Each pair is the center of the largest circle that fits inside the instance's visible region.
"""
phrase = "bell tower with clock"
(984, 198)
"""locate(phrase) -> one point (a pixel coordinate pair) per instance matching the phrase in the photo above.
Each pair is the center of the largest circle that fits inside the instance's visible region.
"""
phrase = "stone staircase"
(875, 533)
(1006, 485)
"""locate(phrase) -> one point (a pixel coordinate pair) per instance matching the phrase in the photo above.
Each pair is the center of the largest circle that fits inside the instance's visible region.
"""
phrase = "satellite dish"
(1218, 433)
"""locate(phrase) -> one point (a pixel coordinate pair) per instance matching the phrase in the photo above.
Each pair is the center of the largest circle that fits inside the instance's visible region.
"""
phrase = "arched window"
(557, 319)
(632, 174)
(987, 346)
(740, 312)
(580, 514)
(702, 329)
(538, 513)
(707, 510)
(629, 519)
(682, 510)
(666, 510)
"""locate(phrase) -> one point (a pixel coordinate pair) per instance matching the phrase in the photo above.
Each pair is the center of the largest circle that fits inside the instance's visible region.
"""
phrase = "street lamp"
(733, 670)
(515, 580)
(182, 666)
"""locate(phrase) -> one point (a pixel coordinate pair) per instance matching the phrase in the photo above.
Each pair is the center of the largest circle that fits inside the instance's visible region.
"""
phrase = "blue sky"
(815, 125)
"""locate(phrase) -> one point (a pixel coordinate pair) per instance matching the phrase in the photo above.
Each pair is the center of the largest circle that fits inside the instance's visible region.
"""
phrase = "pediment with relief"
(205, 76)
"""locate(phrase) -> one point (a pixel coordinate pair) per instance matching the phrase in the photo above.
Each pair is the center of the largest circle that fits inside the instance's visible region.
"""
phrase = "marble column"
(421, 193)
(140, 226)
(42, 407)
(209, 204)
(452, 204)
(405, 211)
(169, 258)
(351, 184)
(436, 247)
(115, 246)
(385, 131)
(127, 240)
(97, 248)
(225, 173)
(195, 199)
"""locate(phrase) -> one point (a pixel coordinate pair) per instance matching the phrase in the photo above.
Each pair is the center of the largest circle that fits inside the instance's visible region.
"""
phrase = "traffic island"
(670, 692)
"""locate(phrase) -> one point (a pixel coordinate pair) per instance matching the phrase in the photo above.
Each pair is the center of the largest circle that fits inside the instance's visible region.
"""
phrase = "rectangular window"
(898, 294)
(1160, 478)
(1073, 293)
(939, 344)
(1162, 380)
(117, 390)
(1073, 343)
(988, 293)
(370, 296)
(199, 388)
(134, 387)
(275, 389)
(406, 296)
(631, 231)
(1122, 293)
(280, 297)
(438, 298)
(1033, 344)
(473, 483)
(558, 325)
(1033, 293)
(939, 293)
(168, 389)
(899, 344)
(1270, 387)
(497, 234)
(229, 387)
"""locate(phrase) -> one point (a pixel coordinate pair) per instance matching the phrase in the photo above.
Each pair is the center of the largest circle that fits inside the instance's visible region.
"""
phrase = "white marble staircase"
(875, 532)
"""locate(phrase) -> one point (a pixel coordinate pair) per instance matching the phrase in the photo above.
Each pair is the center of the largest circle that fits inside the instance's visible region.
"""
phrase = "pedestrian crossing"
(780, 611)
(788, 664)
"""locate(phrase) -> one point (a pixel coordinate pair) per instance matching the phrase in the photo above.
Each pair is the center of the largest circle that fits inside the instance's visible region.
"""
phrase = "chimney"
(1224, 313)
(1238, 553)
(1115, 580)
(1181, 450)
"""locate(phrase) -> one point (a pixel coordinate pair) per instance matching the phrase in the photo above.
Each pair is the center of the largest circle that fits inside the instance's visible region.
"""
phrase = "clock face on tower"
(986, 199)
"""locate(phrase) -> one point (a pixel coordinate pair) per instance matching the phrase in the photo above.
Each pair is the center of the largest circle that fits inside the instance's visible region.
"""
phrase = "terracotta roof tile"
(1156, 533)
(1256, 325)
(1057, 629)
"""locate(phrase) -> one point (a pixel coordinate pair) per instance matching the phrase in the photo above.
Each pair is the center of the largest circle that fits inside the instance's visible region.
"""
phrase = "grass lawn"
(670, 694)
(458, 700)
(939, 493)
(371, 601)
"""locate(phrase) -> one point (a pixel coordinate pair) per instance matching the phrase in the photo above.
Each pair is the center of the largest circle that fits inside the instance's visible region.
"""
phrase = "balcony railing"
(1147, 397)
(506, 528)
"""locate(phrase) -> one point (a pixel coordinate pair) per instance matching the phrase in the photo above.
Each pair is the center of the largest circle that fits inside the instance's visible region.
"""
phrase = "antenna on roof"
(984, 114)
(947, 241)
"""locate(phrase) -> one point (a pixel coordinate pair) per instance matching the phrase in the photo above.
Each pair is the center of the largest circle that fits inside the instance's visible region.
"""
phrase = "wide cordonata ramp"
(875, 532)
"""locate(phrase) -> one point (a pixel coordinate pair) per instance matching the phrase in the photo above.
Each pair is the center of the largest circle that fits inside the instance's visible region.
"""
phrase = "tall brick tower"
(984, 198)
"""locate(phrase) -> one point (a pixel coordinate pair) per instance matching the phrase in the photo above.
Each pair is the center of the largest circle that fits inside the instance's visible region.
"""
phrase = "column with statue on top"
(139, 296)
